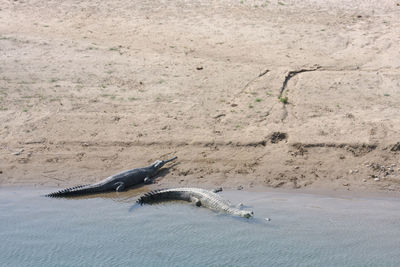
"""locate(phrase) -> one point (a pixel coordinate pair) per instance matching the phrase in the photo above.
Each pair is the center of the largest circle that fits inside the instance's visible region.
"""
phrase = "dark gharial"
(117, 182)
(200, 197)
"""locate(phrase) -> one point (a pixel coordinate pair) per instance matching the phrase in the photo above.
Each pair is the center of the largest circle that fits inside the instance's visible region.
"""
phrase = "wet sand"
(248, 94)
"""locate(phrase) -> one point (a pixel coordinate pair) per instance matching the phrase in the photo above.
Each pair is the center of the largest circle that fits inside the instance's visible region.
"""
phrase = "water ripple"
(305, 230)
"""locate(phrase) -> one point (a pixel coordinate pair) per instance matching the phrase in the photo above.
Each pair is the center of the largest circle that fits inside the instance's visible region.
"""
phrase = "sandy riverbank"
(252, 94)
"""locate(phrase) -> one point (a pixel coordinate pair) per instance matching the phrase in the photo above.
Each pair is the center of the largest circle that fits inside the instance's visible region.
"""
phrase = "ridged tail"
(155, 196)
(72, 191)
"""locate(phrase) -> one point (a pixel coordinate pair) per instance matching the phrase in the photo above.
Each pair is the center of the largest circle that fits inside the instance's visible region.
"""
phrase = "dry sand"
(252, 94)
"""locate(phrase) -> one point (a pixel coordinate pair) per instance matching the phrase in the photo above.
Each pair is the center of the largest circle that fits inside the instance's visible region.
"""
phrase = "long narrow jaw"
(171, 159)
(159, 163)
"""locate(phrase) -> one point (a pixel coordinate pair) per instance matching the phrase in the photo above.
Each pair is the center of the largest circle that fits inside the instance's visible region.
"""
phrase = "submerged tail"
(73, 191)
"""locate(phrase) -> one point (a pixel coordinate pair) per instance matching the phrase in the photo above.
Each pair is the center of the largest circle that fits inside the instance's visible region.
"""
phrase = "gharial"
(200, 197)
(117, 182)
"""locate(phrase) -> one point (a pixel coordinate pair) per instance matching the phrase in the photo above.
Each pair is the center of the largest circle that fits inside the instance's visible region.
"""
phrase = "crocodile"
(200, 197)
(117, 182)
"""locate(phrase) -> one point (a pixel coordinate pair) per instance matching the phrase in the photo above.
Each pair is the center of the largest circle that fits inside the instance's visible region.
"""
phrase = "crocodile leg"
(147, 180)
(196, 201)
(216, 190)
(120, 186)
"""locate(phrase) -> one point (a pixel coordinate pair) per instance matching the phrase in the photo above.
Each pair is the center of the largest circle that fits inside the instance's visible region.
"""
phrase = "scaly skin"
(117, 182)
(200, 197)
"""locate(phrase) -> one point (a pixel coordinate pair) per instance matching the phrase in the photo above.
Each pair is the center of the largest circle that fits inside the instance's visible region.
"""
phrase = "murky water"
(305, 230)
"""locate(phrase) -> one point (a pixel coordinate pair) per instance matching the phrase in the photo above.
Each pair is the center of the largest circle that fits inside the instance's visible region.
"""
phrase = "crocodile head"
(246, 213)
(159, 163)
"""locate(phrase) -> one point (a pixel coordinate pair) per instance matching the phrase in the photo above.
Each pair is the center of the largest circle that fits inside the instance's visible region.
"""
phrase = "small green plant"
(251, 106)
(386, 94)
(107, 95)
(280, 3)
(53, 80)
(132, 98)
(258, 99)
(284, 100)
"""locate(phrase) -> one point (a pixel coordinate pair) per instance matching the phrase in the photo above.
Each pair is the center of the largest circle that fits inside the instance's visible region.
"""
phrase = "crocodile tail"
(151, 196)
(72, 191)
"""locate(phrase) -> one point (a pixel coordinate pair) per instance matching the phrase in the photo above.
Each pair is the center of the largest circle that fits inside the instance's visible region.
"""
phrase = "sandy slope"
(290, 94)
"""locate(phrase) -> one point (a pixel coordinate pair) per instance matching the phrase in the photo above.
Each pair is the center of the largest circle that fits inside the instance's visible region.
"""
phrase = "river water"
(109, 230)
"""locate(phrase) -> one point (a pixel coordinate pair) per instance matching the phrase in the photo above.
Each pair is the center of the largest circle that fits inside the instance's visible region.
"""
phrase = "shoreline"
(138, 190)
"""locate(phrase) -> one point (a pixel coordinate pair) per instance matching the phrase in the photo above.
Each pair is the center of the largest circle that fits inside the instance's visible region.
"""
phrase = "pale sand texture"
(90, 88)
